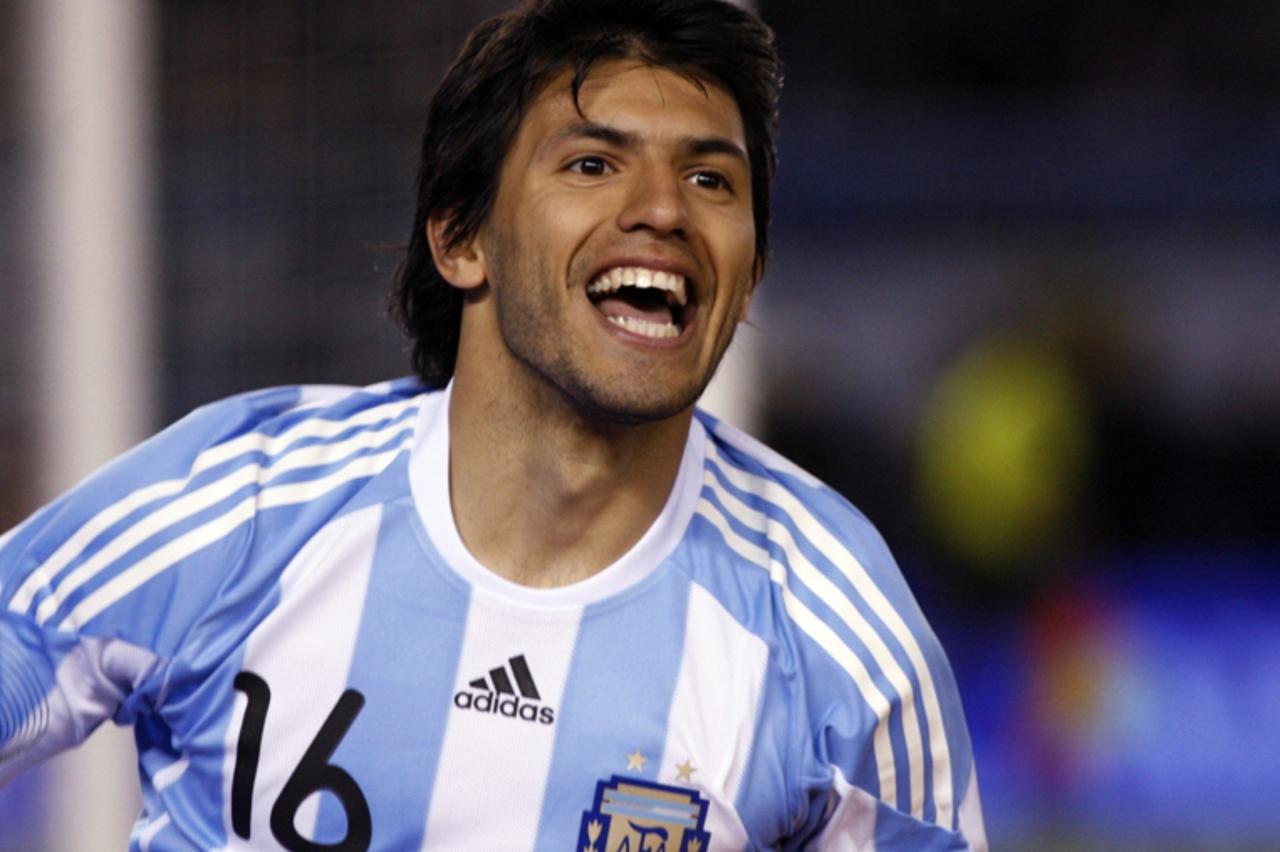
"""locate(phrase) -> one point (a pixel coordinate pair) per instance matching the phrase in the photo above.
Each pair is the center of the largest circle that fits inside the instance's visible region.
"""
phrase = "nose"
(655, 202)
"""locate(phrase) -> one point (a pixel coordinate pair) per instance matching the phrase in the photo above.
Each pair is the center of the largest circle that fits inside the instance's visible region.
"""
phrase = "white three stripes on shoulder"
(290, 458)
(202, 536)
(179, 510)
(268, 445)
(823, 587)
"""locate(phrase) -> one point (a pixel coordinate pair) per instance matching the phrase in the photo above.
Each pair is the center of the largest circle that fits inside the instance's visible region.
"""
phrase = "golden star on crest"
(684, 771)
(636, 760)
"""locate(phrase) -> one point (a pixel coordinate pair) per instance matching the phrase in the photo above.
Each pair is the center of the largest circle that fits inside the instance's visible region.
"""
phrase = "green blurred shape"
(1002, 453)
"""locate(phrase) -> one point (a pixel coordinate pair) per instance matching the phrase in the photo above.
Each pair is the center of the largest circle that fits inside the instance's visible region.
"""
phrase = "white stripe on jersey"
(840, 556)
(200, 537)
(826, 638)
(824, 588)
(150, 830)
(317, 427)
(146, 832)
(714, 711)
(852, 824)
(463, 787)
(972, 825)
(325, 584)
(766, 455)
(166, 776)
(138, 573)
(268, 445)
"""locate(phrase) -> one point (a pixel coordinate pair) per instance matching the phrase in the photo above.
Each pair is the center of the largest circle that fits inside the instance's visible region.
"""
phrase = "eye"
(710, 180)
(590, 166)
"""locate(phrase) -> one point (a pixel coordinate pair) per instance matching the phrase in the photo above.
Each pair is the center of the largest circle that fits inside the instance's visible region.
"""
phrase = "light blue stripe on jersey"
(411, 614)
(895, 834)
(753, 600)
(639, 634)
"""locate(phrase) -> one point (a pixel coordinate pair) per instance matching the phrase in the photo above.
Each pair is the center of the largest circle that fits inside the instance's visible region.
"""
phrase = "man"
(545, 604)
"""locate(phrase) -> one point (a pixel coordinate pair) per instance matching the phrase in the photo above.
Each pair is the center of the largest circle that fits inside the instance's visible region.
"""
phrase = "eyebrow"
(693, 145)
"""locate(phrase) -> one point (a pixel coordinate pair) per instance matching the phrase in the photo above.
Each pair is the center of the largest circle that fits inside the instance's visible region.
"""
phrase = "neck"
(542, 494)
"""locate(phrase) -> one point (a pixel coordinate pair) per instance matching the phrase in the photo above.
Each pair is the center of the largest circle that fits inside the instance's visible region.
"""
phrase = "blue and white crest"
(631, 815)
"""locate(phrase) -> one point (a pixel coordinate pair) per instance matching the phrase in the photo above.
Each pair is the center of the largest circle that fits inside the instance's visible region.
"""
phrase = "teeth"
(645, 328)
(671, 283)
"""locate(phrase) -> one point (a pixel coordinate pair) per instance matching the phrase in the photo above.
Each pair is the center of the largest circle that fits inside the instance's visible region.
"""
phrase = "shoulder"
(744, 476)
(193, 494)
(839, 585)
(282, 447)
(283, 411)
(261, 426)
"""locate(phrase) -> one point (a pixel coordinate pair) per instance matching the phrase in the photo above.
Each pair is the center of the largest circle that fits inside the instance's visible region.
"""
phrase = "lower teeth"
(644, 327)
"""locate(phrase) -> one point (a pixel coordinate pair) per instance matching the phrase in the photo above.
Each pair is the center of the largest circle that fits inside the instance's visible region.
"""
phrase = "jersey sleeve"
(101, 587)
(889, 746)
(882, 758)
(845, 815)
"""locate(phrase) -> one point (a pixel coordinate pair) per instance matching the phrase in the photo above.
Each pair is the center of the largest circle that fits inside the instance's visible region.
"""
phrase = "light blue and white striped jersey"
(274, 594)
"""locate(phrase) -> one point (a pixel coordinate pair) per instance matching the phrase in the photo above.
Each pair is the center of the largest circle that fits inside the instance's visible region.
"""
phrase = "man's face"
(620, 251)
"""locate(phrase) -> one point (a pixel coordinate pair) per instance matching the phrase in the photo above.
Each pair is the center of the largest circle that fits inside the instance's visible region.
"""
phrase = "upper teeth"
(672, 283)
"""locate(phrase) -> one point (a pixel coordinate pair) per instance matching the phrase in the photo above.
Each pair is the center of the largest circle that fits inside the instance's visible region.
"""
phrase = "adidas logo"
(495, 693)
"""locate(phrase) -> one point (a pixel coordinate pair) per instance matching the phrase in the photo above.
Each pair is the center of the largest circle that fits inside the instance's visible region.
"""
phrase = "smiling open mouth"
(647, 302)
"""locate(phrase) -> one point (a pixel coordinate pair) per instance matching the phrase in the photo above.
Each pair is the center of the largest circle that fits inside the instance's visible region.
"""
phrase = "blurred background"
(1023, 310)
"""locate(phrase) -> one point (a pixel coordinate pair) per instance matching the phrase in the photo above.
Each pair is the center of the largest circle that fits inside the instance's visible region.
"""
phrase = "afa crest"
(640, 816)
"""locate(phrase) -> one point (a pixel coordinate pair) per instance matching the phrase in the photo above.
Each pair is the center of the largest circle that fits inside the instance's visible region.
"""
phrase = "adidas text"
(509, 706)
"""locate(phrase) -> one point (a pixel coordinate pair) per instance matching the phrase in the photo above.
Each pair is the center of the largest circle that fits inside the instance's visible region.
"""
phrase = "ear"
(462, 265)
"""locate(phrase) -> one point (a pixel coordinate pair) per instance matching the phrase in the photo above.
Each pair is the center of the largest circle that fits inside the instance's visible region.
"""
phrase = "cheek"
(559, 208)
(561, 230)
(738, 265)
(734, 236)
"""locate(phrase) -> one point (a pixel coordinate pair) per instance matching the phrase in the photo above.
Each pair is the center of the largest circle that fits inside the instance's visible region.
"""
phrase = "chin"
(627, 396)
(606, 405)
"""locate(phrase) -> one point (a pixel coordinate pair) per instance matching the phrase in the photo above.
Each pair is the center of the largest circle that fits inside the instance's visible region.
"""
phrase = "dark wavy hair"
(506, 62)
